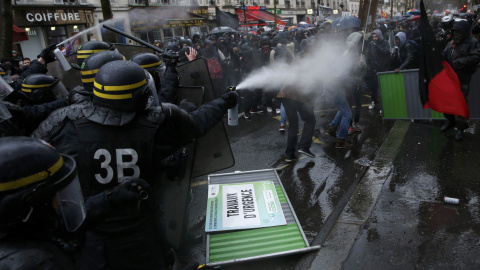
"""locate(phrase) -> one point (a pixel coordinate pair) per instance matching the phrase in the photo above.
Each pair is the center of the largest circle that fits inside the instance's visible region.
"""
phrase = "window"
(56, 34)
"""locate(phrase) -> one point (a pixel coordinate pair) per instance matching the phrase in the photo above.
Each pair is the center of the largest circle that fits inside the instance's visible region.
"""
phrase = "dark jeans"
(460, 122)
(372, 80)
(356, 95)
(306, 113)
(250, 98)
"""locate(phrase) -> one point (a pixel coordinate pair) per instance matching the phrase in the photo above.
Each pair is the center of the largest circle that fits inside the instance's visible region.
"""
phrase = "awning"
(259, 17)
(19, 34)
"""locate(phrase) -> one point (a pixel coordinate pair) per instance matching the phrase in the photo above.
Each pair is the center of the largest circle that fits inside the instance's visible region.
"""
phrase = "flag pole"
(366, 23)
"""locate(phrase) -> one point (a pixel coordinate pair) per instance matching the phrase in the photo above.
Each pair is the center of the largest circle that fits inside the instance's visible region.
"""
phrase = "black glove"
(47, 54)
(187, 106)
(231, 99)
(170, 57)
(131, 189)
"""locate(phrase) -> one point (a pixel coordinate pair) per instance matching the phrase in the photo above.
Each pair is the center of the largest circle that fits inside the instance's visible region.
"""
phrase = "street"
(377, 206)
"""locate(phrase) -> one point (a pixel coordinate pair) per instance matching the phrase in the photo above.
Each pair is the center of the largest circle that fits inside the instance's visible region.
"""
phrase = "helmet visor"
(59, 91)
(5, 88)
(72, 206)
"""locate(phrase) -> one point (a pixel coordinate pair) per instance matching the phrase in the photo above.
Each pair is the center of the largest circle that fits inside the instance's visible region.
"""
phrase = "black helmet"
(42, 88)
(31, 174)
(5, 88)
(121, 85)
(94, 62)
(2, 72)
(152, 64)
(91, 47)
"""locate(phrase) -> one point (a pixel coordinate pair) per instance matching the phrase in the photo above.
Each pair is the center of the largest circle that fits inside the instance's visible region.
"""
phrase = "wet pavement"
(377, 206)
(318, 188)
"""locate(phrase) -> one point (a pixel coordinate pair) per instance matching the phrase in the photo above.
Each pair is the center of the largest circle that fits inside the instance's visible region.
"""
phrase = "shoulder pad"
(56, 119)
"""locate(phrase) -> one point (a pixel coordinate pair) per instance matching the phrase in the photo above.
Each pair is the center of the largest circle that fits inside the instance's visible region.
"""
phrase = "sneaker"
(355, 128)
(256, 110)
(448, 125)
(459, 136)
(278, 111)
(282, 128)
(306, 152)
(269, 109)
(372, 106)
(332, 131)
(339, 143)
(247, 115)
(290, 157)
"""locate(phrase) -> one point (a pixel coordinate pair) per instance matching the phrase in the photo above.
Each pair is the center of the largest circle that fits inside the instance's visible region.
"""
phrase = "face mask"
(458, 36)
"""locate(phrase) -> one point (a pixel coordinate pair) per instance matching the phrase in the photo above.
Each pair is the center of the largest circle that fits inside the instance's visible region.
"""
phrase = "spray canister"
(233, 112)
(61, 58)
(451, 200)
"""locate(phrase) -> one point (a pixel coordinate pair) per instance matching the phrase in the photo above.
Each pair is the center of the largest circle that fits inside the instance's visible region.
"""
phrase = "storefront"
(165, 23)
(47, 25)
(259, 16)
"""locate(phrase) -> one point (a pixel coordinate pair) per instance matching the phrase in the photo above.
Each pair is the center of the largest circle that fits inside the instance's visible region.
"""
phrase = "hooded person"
(377, 58)
(463, 55)
(406, 55)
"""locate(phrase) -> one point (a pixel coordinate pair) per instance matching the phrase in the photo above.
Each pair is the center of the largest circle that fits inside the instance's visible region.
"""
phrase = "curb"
(341, 228)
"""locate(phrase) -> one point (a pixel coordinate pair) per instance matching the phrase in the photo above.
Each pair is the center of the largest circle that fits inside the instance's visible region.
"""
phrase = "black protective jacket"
(406, 57)
(378, 54)
(463, 57)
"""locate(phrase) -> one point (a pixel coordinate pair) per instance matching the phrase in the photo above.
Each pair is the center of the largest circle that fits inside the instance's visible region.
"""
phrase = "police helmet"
(94, 62)
(122, 86)
(42, 88)
(33, 175)
(5, 88)
(91, 47)
(2, 72)
(152, 64)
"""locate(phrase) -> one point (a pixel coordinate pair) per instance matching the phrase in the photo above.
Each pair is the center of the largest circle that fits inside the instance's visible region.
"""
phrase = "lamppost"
(245, 14)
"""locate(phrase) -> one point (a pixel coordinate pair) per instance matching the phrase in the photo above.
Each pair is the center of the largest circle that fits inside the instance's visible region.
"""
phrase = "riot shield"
(175, 193)
(5, 88)
(4, 112)
(213, 152)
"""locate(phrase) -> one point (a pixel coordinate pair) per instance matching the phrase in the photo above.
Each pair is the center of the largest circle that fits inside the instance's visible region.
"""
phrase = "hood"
(402, 37)
(379, 34)
(353, 39)
(463, 26)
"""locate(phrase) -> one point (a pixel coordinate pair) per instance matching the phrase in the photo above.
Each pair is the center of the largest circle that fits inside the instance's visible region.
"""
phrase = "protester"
(377, 58)
(463, 54)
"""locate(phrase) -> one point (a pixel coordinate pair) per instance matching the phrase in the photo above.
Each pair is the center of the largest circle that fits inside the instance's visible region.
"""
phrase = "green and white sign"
(243, 206)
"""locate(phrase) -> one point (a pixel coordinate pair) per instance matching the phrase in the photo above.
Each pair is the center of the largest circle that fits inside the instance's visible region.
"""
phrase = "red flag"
(438, 83)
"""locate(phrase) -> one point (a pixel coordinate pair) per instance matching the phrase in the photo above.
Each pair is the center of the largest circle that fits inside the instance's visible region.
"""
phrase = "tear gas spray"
(233, 112)
(61, 58)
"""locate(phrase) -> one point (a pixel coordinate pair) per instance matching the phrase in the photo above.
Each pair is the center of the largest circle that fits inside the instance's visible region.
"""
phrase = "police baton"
(146, 44)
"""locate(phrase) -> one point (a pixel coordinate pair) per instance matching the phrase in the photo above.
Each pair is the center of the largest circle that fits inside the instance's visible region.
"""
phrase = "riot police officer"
(82, 94)
(116, 137)
(89, 48)
(40, 197)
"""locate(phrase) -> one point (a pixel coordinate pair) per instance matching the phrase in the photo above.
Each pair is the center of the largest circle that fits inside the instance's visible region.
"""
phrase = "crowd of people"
(111, 132)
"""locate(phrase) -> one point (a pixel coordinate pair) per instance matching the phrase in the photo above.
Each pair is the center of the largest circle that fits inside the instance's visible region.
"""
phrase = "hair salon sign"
(28, 17)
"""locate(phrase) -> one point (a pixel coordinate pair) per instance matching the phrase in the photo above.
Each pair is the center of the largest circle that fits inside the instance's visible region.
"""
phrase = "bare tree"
(6, 28)
(107, 15)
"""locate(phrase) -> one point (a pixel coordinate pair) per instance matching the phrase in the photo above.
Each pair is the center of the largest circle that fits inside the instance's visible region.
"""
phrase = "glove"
(231, 99)
(129, 190)
(47, 54)
(187, 106)
(170, 57)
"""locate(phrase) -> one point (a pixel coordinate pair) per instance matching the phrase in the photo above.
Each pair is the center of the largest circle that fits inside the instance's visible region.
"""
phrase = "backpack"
(214, 68)
(415, 46)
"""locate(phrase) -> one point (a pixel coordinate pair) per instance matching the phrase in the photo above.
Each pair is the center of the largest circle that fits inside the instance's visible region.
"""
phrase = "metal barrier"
(401, 100)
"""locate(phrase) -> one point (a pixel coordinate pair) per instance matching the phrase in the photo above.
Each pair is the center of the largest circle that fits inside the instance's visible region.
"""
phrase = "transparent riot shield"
(175, 193)
(213, 152)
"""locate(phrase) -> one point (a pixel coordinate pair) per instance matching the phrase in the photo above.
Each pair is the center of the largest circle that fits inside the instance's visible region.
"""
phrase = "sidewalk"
(397, 219)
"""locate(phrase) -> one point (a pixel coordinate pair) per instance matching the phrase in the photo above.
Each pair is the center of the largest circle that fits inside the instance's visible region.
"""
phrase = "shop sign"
(28, 17)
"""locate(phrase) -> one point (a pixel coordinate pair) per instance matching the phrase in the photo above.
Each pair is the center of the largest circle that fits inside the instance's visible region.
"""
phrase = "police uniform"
(115, 137)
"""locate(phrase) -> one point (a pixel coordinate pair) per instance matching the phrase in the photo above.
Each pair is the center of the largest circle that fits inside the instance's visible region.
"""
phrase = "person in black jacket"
(405, 57)
(115, 137)
(378, 54)
(463, 54)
